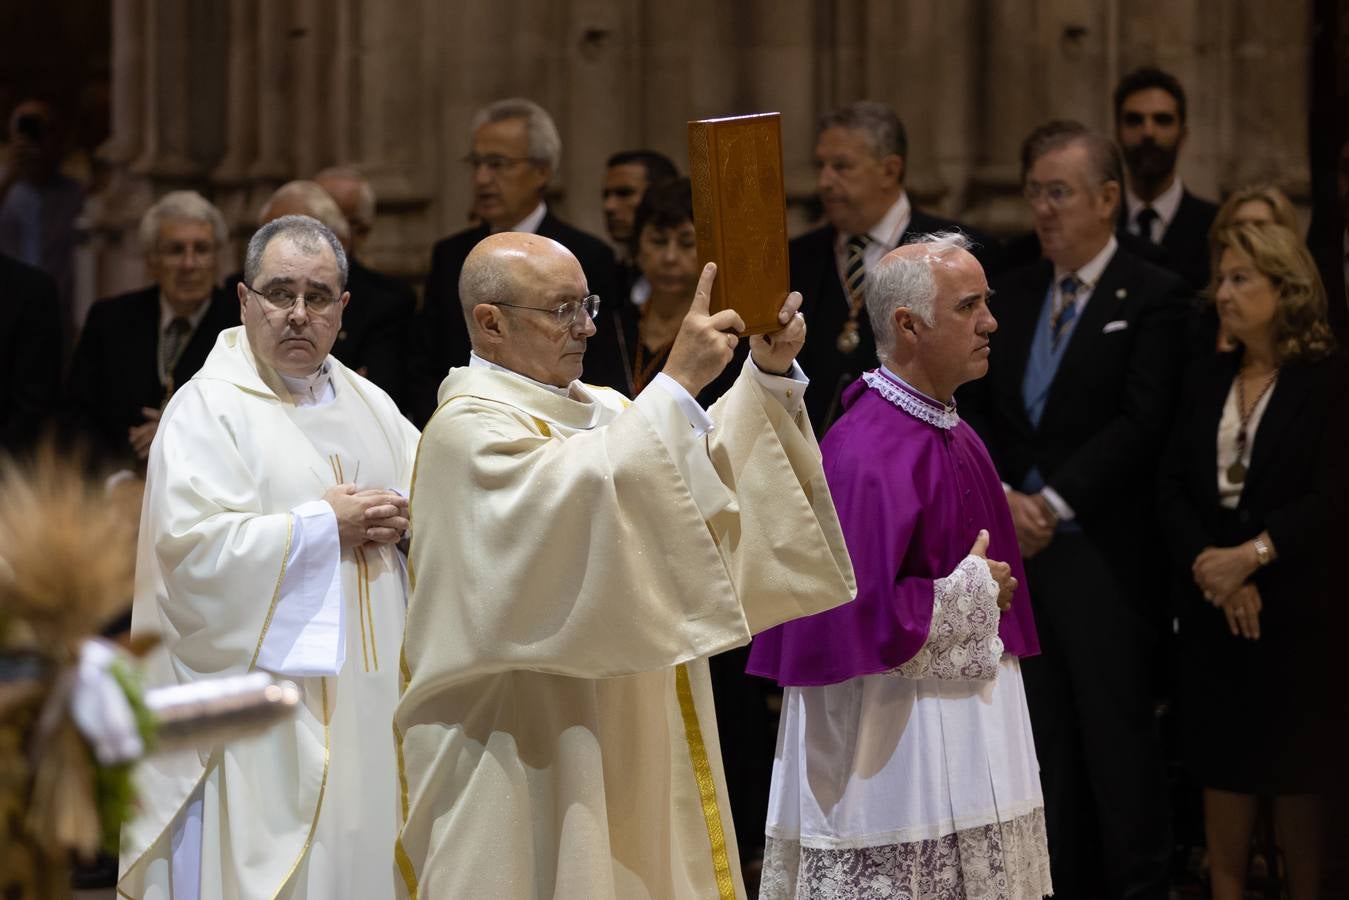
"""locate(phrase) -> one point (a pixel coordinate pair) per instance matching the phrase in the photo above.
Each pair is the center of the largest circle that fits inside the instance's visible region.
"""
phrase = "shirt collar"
(477, 362)
(312, 389)
(1090, 273)
(911, 400)
(641, 291)
(891, 226)
(1165, 205)
(531, 222)
(167, 313)
(930, 401)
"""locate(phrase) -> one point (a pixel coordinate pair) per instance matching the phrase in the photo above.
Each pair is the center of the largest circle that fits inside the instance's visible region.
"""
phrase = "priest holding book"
(905, 764)
(576, 558)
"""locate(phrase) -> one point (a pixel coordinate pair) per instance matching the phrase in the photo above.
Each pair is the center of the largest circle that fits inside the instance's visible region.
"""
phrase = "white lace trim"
(999, 861)
(945, 418)
(963, 642)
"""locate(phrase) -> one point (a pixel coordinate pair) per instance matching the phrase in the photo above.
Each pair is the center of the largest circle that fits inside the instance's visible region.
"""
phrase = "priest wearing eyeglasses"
(577, 558)
(274, 507)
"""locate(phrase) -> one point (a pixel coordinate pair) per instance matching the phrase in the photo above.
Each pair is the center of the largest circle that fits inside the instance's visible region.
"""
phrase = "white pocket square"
(1117, 325)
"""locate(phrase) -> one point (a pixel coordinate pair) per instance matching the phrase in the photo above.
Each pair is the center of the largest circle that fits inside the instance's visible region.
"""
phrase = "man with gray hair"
(861, 160)
(270, 539)
(137, 348)
(1075, 410)
(373, 338)
(514, 154)
(906, 765)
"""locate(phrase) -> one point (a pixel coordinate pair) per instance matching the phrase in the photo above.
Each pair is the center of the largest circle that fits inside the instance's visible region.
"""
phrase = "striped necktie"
(855, 271)
(171, 347)
(1065, 310)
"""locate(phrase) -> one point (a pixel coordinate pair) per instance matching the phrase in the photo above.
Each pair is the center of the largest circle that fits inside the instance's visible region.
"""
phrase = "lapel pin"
(1121, 294)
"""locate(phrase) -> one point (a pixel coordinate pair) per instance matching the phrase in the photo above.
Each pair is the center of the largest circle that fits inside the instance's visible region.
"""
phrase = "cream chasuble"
(557, 736)
(309, 809)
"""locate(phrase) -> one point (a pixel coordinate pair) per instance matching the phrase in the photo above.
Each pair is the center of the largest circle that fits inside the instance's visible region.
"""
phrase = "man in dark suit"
(138, 347)
(514, 153)
(627, 175)
(373, 338)
(860, 154)
(30, 347)
(1150, 127)
(1074, 411)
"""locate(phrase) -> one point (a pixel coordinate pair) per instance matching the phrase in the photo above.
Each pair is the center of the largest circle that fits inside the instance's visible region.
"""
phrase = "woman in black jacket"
(1244, 513)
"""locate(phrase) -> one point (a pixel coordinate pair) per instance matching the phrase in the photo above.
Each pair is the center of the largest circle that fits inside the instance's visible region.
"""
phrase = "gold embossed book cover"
(740, 213)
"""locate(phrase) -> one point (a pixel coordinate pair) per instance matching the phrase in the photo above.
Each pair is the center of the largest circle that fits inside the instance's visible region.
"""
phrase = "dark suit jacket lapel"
(1215, 395)
(1017, 319)
(548, 225)
(1110, 293)
(1106, 299)
(1183, 224)
(1285, 401)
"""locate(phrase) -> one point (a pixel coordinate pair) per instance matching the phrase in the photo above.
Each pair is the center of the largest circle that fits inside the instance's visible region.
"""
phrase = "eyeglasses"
(494, 162)
(1056, 193)
(283, 299)
(569, 313)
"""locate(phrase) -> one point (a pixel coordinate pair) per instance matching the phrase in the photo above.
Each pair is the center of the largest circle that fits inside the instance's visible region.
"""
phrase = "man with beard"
(1150, 128)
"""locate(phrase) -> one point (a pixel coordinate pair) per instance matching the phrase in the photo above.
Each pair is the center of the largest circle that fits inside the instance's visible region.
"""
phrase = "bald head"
(511, 287)
(354, 196)
(306, 198)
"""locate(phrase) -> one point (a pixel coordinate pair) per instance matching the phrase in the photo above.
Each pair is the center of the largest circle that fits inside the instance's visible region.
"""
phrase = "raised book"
(740, 214)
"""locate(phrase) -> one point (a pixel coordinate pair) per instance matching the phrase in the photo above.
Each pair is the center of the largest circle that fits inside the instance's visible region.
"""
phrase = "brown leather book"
(740, 213)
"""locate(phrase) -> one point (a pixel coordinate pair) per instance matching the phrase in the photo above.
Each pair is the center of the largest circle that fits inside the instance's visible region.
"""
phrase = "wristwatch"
(1261, 551)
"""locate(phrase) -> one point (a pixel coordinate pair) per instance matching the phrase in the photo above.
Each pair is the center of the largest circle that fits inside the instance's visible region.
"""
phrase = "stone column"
(165, 153)
(231, 187)
(1012, 100)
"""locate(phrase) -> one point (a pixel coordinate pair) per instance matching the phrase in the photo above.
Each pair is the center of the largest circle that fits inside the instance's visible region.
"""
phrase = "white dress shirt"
(1165, 205)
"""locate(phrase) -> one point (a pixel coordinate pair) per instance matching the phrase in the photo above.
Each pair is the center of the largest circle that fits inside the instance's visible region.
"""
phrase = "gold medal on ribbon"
(848, 338)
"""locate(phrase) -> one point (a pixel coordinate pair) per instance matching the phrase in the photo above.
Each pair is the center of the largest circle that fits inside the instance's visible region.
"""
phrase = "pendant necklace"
(1236, 473)
(850, 337)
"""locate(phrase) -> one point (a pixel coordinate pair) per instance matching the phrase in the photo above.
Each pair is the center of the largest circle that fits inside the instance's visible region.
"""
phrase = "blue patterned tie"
(1065, 311)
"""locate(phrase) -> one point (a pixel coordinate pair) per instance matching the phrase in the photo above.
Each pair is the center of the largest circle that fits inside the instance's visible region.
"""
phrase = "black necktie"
(1144, 219)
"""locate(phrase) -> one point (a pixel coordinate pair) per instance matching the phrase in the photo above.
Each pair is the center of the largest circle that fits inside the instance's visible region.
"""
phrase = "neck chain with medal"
(855, 274)
(645, 361)
(1236, 473)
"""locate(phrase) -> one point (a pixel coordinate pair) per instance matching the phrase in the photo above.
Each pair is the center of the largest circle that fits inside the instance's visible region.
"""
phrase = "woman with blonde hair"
(1255, 203)
(1245, 520)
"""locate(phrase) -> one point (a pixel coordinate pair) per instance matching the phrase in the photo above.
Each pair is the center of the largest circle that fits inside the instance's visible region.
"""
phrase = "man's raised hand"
(705, 342)
(774, 352)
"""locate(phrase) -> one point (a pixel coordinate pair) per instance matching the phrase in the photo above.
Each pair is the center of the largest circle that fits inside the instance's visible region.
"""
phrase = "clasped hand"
(370, 516)
(1221, 573)
(1034, 520)
(1001, 571)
